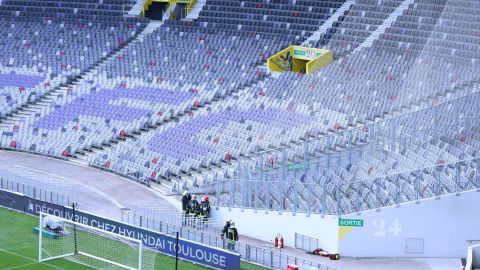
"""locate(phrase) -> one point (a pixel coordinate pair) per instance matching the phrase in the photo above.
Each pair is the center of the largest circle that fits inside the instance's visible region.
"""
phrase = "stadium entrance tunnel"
(300, 59)
(154, 9)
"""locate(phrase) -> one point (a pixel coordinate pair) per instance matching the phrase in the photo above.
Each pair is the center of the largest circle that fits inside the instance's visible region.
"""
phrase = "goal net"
(98, 249)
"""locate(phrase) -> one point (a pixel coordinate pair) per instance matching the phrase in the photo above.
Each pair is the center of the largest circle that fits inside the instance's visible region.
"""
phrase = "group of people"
(200, 211)
(191, 208)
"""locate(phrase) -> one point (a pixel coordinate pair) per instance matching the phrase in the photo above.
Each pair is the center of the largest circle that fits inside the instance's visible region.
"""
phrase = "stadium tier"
(190, 104)
(285, 18)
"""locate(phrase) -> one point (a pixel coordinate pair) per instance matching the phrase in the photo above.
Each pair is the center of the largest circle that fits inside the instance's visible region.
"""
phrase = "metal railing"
(335, 195)
(174, 217)
(34, 192)
(39, 180)
(306, 243)
(263, 255)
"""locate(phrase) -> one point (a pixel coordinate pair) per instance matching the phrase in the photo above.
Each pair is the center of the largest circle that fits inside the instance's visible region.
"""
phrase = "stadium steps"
(313, 39)
(195, 12)
(386, 24)
(137, 8)
(151, 27)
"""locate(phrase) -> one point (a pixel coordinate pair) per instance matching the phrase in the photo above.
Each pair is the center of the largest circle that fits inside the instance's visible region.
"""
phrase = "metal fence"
(306, 243)
(266, 256)
(34, 192)
(37, 179)
(170, 216)
(335, 195)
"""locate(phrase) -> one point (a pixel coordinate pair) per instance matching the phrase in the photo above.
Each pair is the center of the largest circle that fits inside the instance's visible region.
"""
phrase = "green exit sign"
(296, 166)
(350, 222)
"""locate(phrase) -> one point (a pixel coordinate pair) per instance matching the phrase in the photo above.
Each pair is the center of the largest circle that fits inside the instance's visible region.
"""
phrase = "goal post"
(62, 238)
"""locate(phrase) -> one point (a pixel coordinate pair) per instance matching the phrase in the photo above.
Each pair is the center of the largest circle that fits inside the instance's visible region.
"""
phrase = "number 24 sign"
(382, 227)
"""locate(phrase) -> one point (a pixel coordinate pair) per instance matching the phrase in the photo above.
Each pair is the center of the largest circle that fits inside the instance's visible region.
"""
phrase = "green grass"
(19, 248)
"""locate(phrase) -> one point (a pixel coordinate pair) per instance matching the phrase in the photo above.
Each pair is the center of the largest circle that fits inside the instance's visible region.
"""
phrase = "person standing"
(225, 228)
(185, 206)
(193, 210)
(204, 210)
(232, 236)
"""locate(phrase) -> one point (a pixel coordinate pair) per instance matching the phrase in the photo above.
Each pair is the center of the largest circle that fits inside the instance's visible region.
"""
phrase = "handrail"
(35, 192)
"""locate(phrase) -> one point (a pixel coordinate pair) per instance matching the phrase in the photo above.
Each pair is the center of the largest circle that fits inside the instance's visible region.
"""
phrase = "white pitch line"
(18, 266)
(30, 259)
(95, 190)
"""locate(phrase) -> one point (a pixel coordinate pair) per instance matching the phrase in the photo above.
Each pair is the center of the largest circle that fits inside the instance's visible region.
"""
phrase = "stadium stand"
(49, 43)
(340, 102)
(353, 28)
(297, 21)
(188, 101)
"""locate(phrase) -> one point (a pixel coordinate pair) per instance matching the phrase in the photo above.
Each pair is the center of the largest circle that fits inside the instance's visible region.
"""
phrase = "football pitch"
(19, 248)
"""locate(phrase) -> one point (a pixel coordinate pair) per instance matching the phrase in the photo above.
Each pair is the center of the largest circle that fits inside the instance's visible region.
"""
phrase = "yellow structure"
(300, 59)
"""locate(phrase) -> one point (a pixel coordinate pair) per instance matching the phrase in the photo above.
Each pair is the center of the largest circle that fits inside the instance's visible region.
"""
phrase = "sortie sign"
(296, 166)
(350, 222)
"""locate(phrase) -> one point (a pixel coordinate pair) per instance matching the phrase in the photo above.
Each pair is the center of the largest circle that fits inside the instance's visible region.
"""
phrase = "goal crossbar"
(92, 230)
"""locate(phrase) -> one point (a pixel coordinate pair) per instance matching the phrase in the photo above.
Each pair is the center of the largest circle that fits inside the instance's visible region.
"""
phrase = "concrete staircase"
(149, 29)
(195, 12)
(387, 23)
(137, 8)
(328, 24)
(168, 12)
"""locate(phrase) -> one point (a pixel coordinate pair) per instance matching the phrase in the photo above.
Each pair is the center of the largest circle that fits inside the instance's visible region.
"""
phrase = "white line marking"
(18, 266)
(30, 259)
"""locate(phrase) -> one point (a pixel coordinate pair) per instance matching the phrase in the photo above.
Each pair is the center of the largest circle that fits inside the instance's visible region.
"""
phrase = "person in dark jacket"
(232, 236)
(185, 206)
(204, 211)
(225, 228)
(193, 211)
(193, 207)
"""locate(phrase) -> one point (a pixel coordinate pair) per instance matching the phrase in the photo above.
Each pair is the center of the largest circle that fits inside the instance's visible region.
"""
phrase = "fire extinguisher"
(278, 241)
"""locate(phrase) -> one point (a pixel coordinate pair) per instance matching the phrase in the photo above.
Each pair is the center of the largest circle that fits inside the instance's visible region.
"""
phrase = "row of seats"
(44, 51)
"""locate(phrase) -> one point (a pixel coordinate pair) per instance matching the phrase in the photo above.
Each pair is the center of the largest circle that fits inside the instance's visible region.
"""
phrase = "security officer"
(225, 228)
(204, 212)
(185, 206)
(193, 210)
(232, 236)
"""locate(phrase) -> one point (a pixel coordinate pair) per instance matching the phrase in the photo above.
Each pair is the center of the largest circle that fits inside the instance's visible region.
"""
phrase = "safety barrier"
(342, 197)
(35, 192)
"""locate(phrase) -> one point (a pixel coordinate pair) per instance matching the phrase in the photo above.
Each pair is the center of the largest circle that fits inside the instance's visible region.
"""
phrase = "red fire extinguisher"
(278, 241)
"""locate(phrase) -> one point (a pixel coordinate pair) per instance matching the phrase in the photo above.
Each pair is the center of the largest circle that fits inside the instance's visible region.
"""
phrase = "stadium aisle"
(97, 191)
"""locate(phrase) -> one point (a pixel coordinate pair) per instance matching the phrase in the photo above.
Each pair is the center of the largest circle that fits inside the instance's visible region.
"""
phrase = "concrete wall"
(265, 226)
(433, 228)
(475, 258)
